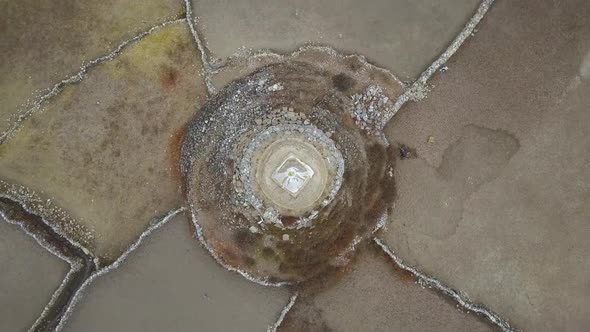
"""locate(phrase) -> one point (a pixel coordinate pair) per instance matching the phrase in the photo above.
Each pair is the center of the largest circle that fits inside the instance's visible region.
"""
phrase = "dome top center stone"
(292, 175)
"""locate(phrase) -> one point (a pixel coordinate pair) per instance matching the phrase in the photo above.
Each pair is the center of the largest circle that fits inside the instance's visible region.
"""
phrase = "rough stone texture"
(104, 149)
(498, 202)
(46, 41)
(170, 283)
(402, 35)
(376, 296)
(23, 293)
(224, 139)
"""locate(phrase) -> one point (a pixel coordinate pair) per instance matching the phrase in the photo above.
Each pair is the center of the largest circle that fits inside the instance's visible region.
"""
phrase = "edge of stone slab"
(419, 88)
(76, 297)
(459, 297)
(283, 313)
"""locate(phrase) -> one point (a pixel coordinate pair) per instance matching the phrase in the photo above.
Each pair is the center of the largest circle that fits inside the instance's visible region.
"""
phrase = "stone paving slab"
(403, 36)
(46, 41)
(30, 275)
(498, 200)
(104, 150)
(171, 283)
(374, 295)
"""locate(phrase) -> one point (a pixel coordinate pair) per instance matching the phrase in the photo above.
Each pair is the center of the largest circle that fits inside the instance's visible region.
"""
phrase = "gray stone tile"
(498, 201)
(403, 36)
(374, 295)
(171, 283)
(30, 275)
(46, 41)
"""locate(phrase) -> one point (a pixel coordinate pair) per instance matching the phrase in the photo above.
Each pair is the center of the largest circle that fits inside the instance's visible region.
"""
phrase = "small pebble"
(285, 237)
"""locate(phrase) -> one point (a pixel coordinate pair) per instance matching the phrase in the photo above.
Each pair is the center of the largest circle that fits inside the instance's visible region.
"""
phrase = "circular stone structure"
(291, 170)
(285, 170)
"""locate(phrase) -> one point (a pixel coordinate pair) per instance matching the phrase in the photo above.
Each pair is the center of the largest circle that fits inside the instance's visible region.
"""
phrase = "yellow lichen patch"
(156, 50)
(101, 149)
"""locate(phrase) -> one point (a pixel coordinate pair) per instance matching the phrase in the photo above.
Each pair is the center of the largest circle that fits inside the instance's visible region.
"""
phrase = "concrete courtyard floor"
(493, 179)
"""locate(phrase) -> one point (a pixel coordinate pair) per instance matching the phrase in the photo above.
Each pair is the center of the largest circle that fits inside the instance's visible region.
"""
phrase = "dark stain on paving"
(406, 152)
(477, 157)
(327, 279)
(343, 82)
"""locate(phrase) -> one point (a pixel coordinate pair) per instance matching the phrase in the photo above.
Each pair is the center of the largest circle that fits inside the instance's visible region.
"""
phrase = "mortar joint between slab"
(458, 296)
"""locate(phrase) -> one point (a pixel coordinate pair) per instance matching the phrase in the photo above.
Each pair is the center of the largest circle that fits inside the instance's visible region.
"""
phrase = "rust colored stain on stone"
(398, 272)
(169, 77)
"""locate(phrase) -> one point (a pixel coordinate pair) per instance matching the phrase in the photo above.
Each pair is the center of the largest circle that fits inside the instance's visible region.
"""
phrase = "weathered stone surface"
(308, 109)
(403, 36)
(497, 203)
(46, 41)
(104, 149)
(30, 275)
(171, 283)
(375, 296)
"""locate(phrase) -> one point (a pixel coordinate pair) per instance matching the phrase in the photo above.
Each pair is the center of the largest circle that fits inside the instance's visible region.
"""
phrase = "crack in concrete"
(202, 46)
(420, 88)
(18, 119)
(283, 314)
(75, 298)
(458, 296)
